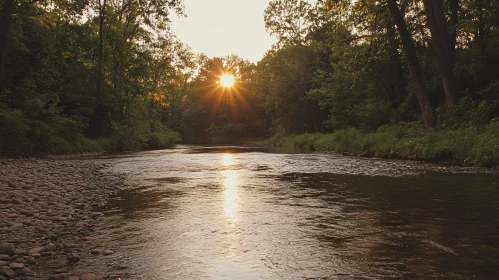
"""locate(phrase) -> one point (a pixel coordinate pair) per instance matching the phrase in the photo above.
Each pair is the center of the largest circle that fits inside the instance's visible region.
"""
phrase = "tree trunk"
(101, 113)
(454, 8)
(102, 14)
(435, 19)
(398, 82)
(413, 63)
(8, 6)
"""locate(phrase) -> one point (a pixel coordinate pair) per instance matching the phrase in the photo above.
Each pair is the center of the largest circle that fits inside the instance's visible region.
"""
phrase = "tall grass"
(477, 146)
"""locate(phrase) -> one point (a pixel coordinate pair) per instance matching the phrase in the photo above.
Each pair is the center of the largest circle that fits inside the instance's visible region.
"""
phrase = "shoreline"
(49, 209)
(460, 147)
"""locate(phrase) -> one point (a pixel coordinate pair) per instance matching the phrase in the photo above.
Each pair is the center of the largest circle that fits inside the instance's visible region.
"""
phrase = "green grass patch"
(478, 146)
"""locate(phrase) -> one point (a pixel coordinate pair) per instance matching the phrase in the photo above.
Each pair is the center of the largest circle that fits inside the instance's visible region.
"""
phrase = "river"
(247, 213)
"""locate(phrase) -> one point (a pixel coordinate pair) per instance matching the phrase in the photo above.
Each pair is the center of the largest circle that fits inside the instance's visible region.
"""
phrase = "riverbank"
(474, 146)
(49, 209)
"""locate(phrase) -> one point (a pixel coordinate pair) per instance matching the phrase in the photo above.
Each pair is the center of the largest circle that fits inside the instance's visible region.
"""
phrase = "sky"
(218, 28)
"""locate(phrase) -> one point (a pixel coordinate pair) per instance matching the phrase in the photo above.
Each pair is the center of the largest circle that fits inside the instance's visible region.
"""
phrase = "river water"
(246, 213)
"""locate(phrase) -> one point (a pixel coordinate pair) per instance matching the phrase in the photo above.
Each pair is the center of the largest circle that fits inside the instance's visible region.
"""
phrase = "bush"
(464, 146)
(162, 140)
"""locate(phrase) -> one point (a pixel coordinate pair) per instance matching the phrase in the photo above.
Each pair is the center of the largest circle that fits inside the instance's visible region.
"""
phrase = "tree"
(289, 20)
(413, 62)
(7, 9)
(436, 22)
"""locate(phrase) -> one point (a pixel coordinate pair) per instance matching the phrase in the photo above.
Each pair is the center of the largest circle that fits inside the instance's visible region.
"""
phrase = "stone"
(6, 258)
(29, 272)
(107, 252)
(73, 257)
(27, 221)
(30, 260)
(19, 252)
(58, 277)
(88, 276)
(20, 271)
(36, 255)
(53, 237)
(16, 265)
(7, 248)
(37, 250)
(5, 271)
(16, 226)
(73, 278)
(2, 263)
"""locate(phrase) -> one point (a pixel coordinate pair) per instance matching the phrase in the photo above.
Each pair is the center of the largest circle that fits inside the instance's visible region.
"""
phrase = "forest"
(393, 79)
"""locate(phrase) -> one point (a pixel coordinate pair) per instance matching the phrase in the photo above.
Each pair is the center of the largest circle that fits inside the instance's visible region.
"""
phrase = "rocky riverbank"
(48, 212)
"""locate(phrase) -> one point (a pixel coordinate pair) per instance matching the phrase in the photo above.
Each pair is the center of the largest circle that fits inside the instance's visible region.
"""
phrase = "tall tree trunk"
(398, 82)
(102, 14)
(454, 9)
(100, 121)
(8, 6)
(435, 19)
(413, 62)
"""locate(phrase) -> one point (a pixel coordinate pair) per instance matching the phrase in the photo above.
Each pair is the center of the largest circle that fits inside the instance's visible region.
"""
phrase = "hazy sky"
(223, 27)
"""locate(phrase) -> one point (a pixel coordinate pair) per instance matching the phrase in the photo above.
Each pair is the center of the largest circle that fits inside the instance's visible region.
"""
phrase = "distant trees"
(217, 113)
(84, 75)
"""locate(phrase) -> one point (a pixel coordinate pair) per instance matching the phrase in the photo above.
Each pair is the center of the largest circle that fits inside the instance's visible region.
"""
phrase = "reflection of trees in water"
(432, 224)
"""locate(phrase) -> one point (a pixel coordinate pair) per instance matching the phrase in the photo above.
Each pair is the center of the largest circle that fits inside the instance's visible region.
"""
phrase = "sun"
(227, 80)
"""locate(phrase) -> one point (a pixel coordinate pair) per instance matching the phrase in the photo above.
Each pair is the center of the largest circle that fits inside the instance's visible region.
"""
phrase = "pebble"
(88, 276)
(4, 257)
(29, 272)
(16, 265)
(37, 250)
(107, 252)
(73, 257)
(46, 204)
(5, 271)
(19, 252)
(6, 248)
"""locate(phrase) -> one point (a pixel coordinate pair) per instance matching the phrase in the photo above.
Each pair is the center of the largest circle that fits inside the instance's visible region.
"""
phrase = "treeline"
(369, 68)
(366, 64)
(110, 74)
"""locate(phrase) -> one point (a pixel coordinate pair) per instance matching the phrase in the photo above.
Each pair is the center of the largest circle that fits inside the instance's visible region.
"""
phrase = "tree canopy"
(83, 75)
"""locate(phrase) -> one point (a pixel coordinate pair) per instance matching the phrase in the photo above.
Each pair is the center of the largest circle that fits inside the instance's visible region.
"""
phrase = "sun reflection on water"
(227, 160)
(231, 181)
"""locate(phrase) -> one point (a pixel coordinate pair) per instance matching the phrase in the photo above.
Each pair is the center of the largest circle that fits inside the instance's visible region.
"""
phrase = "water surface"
(244, 213)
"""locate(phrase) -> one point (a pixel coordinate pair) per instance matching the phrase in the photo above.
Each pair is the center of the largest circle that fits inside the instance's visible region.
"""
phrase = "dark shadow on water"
(172, 180)
(141, 202)
(431, 224)
(243, 149)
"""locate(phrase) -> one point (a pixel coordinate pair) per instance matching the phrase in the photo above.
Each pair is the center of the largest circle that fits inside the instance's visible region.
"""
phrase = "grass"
(471, 146)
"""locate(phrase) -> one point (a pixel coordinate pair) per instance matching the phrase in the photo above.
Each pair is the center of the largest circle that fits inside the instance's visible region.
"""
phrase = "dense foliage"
(353, 69)
(108, 74)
